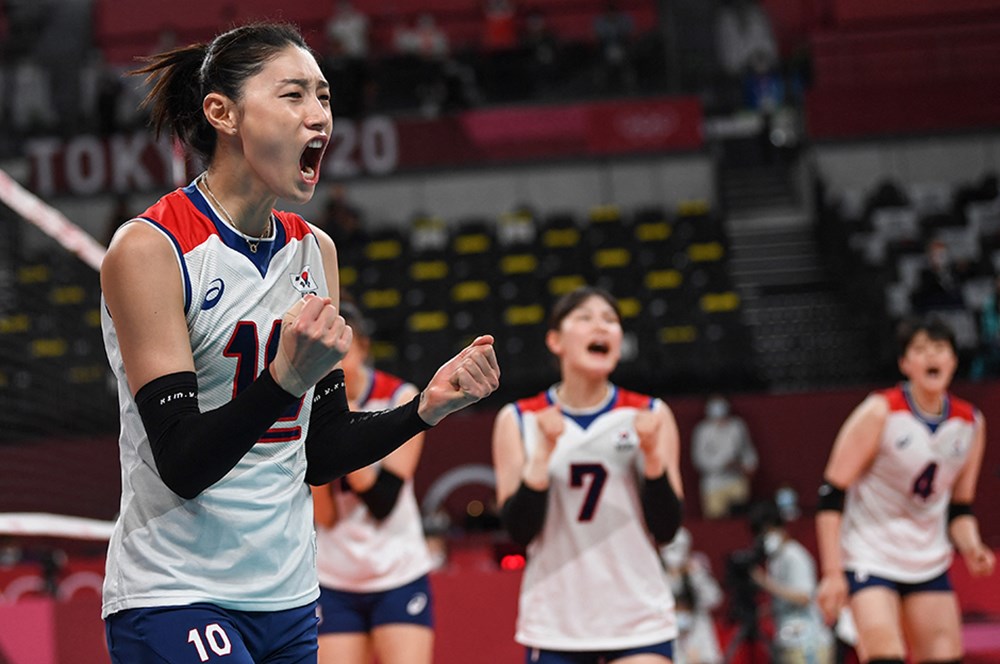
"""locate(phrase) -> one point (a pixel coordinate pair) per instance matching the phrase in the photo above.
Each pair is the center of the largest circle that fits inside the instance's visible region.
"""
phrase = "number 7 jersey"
(895, 516)
(593, 579)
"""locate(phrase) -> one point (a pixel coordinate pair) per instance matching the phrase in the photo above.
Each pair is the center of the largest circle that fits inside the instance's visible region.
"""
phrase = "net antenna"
(51, 222)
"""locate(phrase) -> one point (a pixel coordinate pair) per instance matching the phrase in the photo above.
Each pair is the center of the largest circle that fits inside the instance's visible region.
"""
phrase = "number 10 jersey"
(246, 542)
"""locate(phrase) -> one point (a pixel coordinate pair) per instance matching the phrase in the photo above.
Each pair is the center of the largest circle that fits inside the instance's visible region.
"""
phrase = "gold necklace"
(253, 243)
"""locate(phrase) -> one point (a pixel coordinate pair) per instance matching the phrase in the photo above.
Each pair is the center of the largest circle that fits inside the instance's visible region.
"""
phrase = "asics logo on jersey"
(902, 442)
(213, 294)
(417, 604)
(303, 282)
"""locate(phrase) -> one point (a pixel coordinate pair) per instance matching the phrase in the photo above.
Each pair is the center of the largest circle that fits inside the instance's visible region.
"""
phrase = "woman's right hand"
(551, 425)
(832, 595)
(314, 338)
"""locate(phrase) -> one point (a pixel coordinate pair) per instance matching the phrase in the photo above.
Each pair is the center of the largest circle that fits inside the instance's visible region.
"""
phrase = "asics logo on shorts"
(417, 604)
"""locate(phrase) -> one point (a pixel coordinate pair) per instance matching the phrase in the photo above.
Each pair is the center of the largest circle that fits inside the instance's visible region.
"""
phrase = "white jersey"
(721, 449)
(895, 515)
(360, 553)
(593, 579)
(796, 626)
(246, 542)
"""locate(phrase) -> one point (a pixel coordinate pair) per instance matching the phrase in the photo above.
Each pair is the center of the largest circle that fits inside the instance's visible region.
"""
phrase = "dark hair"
(571, 300)
(935, 328)
(180, 78)
(352, 315)
(763, 515)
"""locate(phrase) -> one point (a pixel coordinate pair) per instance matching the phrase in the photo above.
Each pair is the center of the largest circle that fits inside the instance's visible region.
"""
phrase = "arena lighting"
(512, 562)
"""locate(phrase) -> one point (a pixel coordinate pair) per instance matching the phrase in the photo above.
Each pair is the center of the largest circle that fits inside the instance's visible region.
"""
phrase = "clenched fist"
(463, 380)
(314, 338)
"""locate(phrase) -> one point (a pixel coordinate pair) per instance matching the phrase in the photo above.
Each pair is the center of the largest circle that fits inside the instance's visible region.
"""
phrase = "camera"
(741, 587)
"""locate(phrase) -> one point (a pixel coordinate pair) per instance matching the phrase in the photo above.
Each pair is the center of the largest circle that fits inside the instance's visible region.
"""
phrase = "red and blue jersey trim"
(187, 218)
(900, 400)
(620, 398)
(382, 386)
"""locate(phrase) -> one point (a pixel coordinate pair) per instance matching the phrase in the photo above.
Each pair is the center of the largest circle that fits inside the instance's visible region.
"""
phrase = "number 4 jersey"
(245, 542)
(593, 579)
(895, 517)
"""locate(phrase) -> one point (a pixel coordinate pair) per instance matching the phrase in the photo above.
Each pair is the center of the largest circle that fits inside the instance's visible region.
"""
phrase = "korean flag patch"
(303, 282)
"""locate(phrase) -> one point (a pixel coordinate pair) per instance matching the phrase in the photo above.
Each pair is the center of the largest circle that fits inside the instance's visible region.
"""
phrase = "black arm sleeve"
(956, 510)
(523, 514)
(341, 441)
(381, 496)
(831, 498)
(662, 508)
(194, 450)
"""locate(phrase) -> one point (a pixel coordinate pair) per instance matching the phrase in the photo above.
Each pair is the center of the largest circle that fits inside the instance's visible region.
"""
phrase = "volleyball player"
(221, 324)
(587, 477)
(375, 596)
(897, 498)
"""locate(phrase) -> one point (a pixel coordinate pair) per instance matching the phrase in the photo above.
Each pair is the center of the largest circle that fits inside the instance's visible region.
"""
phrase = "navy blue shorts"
(857, 581)
(539, 656)
(199, 633)
(344, 612)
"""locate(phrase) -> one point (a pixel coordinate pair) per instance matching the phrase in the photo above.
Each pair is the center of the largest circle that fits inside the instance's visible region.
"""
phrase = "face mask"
(772, 542)
(716, 409)
(674, 557)
(788, 503)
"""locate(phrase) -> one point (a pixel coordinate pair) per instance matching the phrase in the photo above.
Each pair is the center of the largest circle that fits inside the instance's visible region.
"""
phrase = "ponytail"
(180, 78)
(176, 94)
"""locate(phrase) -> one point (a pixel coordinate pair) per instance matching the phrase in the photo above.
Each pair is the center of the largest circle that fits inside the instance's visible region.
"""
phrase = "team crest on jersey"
(303, 282)
(625, 440)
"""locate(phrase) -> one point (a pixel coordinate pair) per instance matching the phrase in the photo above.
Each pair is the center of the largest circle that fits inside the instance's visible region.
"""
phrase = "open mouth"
(309, 161)
(933, 372)
(598, 347)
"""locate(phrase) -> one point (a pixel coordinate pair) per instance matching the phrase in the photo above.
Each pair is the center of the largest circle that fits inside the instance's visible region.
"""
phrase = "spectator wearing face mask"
(789, 577)
(696, 595)
(723, 453)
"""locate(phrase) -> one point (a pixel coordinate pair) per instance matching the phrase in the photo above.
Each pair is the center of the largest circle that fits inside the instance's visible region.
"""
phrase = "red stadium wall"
(891, 81)
(792, 432)
(847, 12)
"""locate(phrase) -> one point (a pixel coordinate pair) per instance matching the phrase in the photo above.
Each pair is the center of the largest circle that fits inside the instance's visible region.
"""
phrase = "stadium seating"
(887, 229)
(124, 30)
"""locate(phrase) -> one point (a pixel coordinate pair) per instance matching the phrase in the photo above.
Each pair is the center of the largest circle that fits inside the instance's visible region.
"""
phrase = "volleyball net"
(54, 377)
(59, 476)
